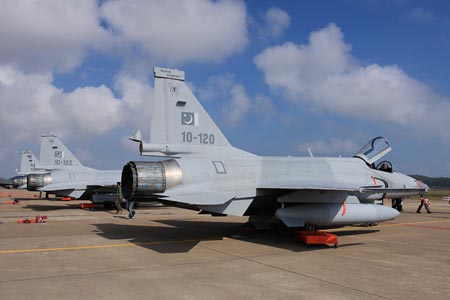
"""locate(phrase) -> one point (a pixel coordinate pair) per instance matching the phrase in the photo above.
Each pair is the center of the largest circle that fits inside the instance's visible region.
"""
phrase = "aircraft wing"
(393, 190)
(214, 202)
(332, 186)
(370, 190)
(101, 183)
(71, 190)
(208, 197)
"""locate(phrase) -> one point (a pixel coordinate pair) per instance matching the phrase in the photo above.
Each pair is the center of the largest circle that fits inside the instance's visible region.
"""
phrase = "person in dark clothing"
(130, 206)
(426, 202)
(397, 203)
(118, 203)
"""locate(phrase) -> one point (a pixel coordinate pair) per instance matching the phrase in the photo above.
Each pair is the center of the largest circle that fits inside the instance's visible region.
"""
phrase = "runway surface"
(170, 253)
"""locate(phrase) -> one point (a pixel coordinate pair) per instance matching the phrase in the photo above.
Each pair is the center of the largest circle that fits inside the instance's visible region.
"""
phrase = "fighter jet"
(28, 163)
(59, 172)
(199, 169)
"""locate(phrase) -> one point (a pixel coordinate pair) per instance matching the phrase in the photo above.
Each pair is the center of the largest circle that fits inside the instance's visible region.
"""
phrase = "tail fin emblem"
(173, 89)
(189, 118)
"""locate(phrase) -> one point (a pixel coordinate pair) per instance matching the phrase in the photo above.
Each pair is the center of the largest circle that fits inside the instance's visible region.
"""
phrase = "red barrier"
(87, 205)
(317, 237)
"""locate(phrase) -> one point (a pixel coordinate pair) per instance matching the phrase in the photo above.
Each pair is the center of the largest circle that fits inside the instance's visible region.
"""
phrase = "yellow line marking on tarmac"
(95, 246)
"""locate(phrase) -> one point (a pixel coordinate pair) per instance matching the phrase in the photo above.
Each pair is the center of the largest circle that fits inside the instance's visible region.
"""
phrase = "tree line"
(434, 182)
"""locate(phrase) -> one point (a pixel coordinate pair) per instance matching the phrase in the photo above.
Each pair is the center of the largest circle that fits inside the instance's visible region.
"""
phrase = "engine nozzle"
(144, 178)
(36, 181)
(19, 181)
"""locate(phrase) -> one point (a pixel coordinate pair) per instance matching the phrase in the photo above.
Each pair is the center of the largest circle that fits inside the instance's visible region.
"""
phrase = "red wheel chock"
(317, 238)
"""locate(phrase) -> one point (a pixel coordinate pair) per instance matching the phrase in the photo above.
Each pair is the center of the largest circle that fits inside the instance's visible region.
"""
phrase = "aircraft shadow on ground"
(36, 199)
(68, 205)
(26, 198)
(171, 236)
(40, 207)
(180, 236)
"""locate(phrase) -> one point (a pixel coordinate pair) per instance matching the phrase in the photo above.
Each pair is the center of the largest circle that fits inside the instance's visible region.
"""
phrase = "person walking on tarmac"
(397, 203)
(426, 202)
(131, 212)
(118, 203)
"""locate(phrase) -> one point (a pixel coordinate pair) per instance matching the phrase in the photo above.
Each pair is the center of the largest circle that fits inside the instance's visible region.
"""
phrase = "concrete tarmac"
(170, 253)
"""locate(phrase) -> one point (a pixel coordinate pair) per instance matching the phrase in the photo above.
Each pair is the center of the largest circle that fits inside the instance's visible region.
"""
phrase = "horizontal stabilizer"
(137, 136)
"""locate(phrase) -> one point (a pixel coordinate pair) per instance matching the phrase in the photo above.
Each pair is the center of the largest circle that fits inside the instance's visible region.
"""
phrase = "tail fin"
(54, 154)
(28, 163)
(178, 118)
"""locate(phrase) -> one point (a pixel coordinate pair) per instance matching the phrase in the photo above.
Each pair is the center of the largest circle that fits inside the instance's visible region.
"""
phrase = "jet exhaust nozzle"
(19, 181)
(144, 178)
(37, 181)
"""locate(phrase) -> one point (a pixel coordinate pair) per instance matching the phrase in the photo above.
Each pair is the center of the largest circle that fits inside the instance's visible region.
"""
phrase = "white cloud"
(32, 104)
(178, 31)
(216, 86)
(137, 100)
(92, 110)
(235, 103)
(236, 109)
(333, 147)
(130, 146)
(324, 75)
(45, 35)
(233, 98)
(276, 22)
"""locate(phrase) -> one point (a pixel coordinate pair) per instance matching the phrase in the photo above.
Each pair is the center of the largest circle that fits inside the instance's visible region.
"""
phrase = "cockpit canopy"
(385, 166)
(374, 150)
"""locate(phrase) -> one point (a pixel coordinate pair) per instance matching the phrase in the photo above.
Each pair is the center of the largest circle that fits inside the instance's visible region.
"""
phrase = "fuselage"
(73, 182)
(297, 190)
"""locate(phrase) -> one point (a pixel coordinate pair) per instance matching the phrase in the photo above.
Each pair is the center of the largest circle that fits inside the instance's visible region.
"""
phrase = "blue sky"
(277, 76)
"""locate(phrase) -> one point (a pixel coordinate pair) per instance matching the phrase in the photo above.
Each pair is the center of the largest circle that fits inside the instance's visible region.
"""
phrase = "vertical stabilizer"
(178, 118)
(28, 163)
(54, 154)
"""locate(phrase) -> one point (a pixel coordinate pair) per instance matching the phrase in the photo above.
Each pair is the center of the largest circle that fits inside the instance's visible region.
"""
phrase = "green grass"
(437, 194)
